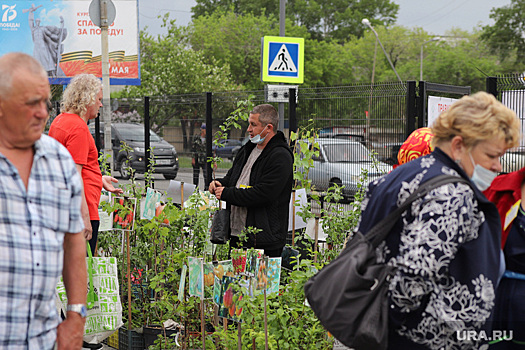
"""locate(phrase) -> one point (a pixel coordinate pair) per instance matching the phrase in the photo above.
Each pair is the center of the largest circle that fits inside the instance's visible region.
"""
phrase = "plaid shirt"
(32, 227)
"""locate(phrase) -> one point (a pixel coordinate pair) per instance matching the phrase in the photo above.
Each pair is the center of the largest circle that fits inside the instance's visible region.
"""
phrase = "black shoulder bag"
(349, 295)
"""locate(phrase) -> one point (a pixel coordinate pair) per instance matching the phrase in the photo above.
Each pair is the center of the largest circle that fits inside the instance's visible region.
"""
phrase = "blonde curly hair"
(80, 94)
(476, 118)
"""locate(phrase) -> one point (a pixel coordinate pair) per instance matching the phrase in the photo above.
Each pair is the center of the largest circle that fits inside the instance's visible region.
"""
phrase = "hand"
(213, 185)
(70, 332)
(108, 186)
(218, 192)
(88, 230)
(193, 162)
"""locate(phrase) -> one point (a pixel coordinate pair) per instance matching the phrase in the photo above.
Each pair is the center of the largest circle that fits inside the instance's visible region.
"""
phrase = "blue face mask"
(257, 138)
(481, 177)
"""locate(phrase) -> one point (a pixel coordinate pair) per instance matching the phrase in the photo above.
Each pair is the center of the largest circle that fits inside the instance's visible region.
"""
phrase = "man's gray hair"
(12, 63)
(267, 115)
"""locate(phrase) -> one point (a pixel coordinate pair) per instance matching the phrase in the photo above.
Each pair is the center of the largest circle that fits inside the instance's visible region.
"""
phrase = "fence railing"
(380, 116)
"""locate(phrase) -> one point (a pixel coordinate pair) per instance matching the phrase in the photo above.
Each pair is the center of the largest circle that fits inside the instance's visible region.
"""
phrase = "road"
(185, 175)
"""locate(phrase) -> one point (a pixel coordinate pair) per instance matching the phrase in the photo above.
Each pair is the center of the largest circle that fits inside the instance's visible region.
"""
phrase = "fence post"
(421, 104)
(411, 108)
(209, 135)
(492, 86)
(147, 143)
(292, 111)
(97, 137)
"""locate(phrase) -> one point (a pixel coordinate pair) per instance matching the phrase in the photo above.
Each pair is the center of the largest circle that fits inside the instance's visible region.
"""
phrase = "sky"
(434, 16)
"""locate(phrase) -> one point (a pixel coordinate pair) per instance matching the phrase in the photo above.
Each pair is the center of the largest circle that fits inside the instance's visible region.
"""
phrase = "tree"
(341, 19)
(170, 67)
(324, 19)
(506, 36)
(235, 41)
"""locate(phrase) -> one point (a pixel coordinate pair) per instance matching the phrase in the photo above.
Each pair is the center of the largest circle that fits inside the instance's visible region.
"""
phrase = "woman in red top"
(80, 103)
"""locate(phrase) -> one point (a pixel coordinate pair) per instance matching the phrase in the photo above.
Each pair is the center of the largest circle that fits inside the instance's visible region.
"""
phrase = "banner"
(61, 36)
(436, 105)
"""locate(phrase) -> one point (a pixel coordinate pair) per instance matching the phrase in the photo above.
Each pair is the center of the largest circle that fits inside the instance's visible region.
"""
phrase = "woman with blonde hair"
(80, 103)
(445, 248)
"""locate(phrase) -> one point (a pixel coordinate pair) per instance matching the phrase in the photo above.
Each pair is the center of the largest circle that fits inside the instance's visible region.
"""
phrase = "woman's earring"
(458, 161)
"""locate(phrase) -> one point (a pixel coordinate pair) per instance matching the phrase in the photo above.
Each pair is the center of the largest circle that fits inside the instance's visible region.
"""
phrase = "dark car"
(387, 152)
(226, 148)
(236, 149)
(166, 160)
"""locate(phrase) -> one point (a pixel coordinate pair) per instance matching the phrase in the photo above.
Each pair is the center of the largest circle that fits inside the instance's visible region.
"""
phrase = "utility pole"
(282, 29)
(106, 109)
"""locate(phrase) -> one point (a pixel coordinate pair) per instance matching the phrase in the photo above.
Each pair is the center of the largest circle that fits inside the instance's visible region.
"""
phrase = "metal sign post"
(102, 14)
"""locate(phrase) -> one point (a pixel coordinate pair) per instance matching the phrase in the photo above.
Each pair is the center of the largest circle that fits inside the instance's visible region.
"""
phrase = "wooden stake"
(316, 230)
(203, 328)
(182, 194)
(239, 336)
(129, 287)
(265, 321)
(293, 218)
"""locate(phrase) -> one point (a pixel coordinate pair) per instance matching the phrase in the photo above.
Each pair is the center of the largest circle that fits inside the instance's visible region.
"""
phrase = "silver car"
(343, 162)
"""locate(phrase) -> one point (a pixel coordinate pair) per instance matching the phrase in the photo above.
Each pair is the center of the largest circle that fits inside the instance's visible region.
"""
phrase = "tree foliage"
(170, 67)
(324, 19)
(235, 40)
(506, 36)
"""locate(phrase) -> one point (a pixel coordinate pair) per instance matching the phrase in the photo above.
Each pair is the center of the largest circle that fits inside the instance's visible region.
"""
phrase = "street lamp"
(366, 22)
(421, 55)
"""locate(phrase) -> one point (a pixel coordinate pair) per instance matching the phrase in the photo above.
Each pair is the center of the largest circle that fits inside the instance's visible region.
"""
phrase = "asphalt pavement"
(184, 175)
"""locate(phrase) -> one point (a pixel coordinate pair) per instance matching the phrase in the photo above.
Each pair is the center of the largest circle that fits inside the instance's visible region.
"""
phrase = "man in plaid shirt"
(40, 196)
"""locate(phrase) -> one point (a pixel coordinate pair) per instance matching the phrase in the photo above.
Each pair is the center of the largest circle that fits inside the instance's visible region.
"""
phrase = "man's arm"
(71, 331)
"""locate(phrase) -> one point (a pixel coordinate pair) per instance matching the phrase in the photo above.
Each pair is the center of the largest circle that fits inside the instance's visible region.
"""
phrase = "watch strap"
(81, 309)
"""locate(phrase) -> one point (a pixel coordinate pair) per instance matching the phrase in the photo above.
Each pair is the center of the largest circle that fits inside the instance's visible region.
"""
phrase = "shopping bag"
(349, 295)
(220, 227)
(104, 314)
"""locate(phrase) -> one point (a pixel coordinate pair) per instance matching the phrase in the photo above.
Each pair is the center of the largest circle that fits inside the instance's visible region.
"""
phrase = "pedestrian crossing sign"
(282, 59)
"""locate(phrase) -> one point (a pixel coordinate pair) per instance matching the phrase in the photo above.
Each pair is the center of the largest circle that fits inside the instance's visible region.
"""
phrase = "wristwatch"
(78, 308)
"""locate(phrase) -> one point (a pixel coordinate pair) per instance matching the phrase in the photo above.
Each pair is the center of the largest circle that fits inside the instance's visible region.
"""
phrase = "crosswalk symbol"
(282, 60)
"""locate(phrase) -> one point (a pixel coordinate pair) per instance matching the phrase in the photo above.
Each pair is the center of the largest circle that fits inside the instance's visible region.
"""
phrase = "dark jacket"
(268, 198)
(447, 253)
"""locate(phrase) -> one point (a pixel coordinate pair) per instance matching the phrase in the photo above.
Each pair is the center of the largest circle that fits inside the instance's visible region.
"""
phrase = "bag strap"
(379, 232)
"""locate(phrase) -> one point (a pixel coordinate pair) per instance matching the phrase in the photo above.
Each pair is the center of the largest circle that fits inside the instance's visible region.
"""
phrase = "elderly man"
(40, 197)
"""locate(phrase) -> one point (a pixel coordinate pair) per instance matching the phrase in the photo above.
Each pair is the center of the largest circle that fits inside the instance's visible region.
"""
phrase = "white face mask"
(257, 138)
(481, 177)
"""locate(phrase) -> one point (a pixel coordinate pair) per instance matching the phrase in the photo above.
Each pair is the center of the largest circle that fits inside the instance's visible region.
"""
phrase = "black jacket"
(268, 197)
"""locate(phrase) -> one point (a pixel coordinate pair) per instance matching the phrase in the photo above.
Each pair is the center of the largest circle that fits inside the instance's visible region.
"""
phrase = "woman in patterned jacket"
(446, 246)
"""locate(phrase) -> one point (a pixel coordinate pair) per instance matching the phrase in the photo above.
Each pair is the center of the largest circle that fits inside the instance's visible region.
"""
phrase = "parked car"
(341, 133)
(342, 162)
(236, 149)
(513, 159)
(225, 150)
(166, 160)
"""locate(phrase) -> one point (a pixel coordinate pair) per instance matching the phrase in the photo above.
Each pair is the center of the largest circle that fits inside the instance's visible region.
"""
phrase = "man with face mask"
(258, 186)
